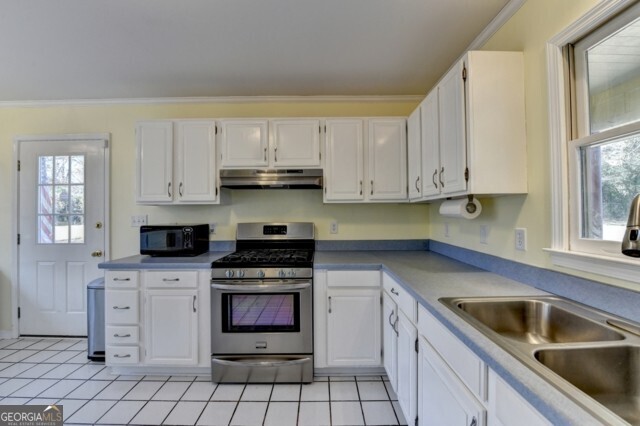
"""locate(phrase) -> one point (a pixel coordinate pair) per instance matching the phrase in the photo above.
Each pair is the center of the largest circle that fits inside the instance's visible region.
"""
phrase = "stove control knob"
(260, 273)
(282, 273)
(228, 273)
(292, 273)
(240, 273)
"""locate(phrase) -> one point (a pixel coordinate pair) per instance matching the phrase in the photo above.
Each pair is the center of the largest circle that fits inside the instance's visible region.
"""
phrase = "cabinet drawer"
(122, 355)
(124, 335)
(353, 278)
(406, 303)
(121, 307)
(471, 370)
(121, 279)
(170, 279)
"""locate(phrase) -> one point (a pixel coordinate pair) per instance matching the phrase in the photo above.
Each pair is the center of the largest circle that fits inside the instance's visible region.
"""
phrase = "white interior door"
(61, 226)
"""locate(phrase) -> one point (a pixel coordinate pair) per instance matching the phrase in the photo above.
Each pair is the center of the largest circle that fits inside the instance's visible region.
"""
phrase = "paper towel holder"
(471, 207)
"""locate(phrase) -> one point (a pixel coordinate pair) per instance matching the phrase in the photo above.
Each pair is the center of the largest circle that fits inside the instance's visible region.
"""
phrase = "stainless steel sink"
(536, 321)
(610, 375)
(591, 356)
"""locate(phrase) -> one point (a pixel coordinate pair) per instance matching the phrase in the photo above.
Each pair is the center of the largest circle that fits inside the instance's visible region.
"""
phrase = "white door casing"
(62, 223)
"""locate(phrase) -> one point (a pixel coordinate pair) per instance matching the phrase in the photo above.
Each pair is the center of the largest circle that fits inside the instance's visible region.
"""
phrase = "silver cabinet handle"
(329, 304)
(395, 326)
(360, 187)
(122, 279)
(121, 335)
(122, 356)
(122, 308)
(474, 422)
(194, 303)
(440, 177)
(417, 187)
(371, 187)
(180, 189)
(171, 279)
(433, 178)
(265, 154)
(275, 154)
(391, 315)
(393, 291)
(169, 189)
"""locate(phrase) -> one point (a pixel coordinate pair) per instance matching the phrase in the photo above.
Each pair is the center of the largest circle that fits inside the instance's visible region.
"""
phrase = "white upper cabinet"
(375, 170)
(473, 135)
(295, 143)
(278, 143)
(244, 143)
(176, 162)
(344, 162)
(414, 155)
(430, 138)
(154, 158)
(387, 159)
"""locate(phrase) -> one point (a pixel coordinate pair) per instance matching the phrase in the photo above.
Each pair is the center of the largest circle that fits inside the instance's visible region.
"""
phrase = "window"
(604, 151)
(60, 218)
(594, 130)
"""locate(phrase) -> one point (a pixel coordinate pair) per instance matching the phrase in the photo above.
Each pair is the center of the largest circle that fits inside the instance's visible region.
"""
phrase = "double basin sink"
(591, 356)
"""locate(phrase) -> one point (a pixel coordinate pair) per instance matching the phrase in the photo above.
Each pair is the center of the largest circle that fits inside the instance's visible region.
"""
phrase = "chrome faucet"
(631, 240)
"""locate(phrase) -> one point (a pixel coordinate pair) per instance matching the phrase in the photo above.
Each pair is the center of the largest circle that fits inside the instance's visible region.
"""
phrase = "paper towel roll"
(461, 208)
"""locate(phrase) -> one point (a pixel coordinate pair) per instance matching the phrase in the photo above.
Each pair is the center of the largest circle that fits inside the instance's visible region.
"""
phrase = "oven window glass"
(265, 312)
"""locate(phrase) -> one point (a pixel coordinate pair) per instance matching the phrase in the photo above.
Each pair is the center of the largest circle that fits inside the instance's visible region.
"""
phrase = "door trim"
(15, 189)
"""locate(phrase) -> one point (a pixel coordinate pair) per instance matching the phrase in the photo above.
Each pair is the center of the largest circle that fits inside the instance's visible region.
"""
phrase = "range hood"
(271, 179)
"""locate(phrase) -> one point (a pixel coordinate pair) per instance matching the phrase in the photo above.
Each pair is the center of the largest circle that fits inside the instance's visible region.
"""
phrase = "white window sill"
(620, 268)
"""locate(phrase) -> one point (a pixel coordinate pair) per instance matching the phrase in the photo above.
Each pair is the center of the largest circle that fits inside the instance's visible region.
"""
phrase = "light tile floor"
(57, 371)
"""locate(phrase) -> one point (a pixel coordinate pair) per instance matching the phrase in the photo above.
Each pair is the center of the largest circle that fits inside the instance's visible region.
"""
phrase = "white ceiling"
(106, 49)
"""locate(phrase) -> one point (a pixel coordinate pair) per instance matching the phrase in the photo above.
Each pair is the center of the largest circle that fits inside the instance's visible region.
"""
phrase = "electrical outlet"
(212, 228)
(334, 227)
(484, 234)
(521, 239)
(446, 229)
(138, 220)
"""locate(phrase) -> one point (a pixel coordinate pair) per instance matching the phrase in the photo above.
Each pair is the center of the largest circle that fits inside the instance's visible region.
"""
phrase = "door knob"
(97, 253)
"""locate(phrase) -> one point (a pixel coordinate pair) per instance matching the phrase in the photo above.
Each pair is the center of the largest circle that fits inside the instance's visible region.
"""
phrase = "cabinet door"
(154, 161)
(430, 145)
(390, 339)
(196, 177)
(407, 389)
(244, 143)
(353, 328)
(387, 159)
(452, 131)
(414, 154)
(295, 143)
(442, 398)
(171, 327)
(344, 161)
(507, 407)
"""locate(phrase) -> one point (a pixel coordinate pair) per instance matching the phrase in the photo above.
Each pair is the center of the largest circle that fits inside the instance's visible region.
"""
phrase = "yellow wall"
(372, 221)
(528, 31)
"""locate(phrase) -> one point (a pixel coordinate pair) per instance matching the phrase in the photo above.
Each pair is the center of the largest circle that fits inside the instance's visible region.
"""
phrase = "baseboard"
(7, 334)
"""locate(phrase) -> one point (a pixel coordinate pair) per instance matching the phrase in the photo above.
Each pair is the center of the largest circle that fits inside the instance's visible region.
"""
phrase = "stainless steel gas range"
(262, 306)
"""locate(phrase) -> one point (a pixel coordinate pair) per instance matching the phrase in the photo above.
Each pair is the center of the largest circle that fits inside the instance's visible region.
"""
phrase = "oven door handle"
(260, 363)
(261, 288)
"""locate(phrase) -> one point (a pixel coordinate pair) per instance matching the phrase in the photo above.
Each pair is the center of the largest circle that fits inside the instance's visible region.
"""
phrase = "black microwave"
(174, 240)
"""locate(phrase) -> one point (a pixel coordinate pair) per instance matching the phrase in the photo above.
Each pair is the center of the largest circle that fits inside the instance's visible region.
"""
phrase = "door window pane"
(61, 206)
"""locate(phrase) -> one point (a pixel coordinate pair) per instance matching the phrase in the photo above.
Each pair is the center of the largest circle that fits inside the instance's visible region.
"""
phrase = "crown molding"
(211, 100)
(496, 23)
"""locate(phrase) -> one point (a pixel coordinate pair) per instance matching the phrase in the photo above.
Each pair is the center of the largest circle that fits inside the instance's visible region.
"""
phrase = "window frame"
(563, 153)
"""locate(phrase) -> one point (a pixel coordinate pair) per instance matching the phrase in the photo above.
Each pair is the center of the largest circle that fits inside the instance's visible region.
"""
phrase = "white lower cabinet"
(171, 327)
(507, 407)
(157, 318)
(442, 398)
(347, 311)
(407, 383)
(390, 339)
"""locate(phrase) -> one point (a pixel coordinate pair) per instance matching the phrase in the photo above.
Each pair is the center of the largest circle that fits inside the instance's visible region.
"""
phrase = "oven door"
(261, 317)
